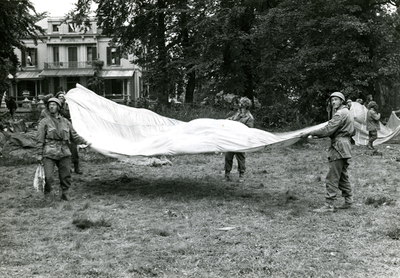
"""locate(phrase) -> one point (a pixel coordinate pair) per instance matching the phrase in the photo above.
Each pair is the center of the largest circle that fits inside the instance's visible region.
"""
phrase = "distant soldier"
(244, 116)
(11, 105)
(373, 124)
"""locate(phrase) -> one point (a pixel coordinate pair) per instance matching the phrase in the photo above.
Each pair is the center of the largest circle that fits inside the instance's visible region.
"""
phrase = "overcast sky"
(53, 7)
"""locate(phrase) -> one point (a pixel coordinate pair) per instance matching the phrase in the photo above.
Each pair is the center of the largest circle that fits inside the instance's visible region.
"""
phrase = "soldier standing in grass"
(54, 134)
(244, 116)
(373, 126)
(340, 129)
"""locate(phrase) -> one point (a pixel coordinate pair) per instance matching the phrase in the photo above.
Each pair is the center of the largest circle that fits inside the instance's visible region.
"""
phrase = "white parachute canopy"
(118, 130)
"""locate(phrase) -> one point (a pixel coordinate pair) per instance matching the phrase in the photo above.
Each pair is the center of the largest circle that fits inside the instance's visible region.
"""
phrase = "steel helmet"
(372, 104)
(339, 95)
(245, 102)
(56, 100)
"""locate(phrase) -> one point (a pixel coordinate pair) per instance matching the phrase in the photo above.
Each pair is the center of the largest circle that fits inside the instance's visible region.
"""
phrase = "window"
(29, 57)
(73, 57)
(56, 84)
(55, 28)
(71, 82)
(91, 53)
(113, 56)
(114, 88)
(71, 28)
(56, 54)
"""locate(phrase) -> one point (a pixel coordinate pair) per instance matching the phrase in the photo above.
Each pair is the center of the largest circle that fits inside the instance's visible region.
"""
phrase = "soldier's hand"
(39, 159)
(304, 135)
(87, 145)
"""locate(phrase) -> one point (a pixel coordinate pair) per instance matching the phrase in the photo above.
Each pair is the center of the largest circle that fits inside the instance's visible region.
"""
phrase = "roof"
(72, 72)
(26, 75)
(68, 72)
(116, 73)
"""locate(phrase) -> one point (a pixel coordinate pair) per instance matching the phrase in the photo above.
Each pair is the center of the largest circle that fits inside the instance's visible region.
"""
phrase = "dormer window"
(55, 28)
(71, 28)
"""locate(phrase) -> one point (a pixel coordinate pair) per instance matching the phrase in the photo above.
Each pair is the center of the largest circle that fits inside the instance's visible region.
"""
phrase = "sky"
(53, 7)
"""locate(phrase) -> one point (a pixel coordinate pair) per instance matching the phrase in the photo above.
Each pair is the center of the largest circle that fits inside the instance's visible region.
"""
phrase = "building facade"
(66, 56)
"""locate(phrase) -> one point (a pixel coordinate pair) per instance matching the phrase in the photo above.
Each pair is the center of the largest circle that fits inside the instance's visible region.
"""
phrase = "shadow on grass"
(178, 189)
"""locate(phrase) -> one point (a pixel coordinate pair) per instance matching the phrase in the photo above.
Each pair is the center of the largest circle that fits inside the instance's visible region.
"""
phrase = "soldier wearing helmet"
(340, 129)
(54, 134)
(373, 124)
(244, 116)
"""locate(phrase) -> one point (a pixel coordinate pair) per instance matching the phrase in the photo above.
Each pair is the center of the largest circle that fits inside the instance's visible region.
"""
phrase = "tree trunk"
(190, 87)
(249, 83)
(191, 75)
(162, 92)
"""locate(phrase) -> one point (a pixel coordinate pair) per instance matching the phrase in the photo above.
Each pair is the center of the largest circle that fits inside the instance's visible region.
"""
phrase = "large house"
(66, 56)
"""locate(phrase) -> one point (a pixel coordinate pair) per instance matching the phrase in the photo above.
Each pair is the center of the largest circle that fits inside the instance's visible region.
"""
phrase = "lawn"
(129, 219)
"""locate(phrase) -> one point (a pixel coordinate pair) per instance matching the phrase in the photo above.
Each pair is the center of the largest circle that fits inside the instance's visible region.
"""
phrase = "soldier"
(244, 116)
(373, 124)
(54, 134)
(340, 129)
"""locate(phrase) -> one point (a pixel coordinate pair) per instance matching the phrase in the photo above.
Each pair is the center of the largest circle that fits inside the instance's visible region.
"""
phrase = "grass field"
(181, 220)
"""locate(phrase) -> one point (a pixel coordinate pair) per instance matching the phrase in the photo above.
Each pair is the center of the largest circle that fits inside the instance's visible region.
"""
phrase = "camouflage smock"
(245, 118)
(54, 134)
(340, 129)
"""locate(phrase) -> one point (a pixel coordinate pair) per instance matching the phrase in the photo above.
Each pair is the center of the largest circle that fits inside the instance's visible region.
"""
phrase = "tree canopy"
(17, 22)
(289, 54)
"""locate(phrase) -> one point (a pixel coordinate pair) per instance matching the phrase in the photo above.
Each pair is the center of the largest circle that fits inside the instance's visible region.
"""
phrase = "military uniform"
(340, 129)
(248, 120)
(54, 135)
(373, 124)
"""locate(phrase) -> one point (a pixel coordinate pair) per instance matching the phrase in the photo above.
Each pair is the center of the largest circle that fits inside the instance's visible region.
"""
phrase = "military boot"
(77, 168)
(65, 195)
(227, 176)
(348, 203)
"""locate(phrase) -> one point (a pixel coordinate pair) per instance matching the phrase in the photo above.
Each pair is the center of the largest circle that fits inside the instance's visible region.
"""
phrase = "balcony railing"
(69, 65)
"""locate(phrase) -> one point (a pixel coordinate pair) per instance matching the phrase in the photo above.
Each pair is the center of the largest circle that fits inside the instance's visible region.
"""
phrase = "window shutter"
(108, 56)
(23, 58)
(118, 58)
(36, 58)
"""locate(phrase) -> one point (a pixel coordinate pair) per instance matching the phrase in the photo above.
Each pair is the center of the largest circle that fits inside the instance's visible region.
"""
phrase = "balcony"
(70, 65)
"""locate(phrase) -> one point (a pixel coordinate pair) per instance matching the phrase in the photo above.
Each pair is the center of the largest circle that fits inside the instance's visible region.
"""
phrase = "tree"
(228, 41)
(317, 47)
(156, 32)
(17, 22)
(289, 54)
